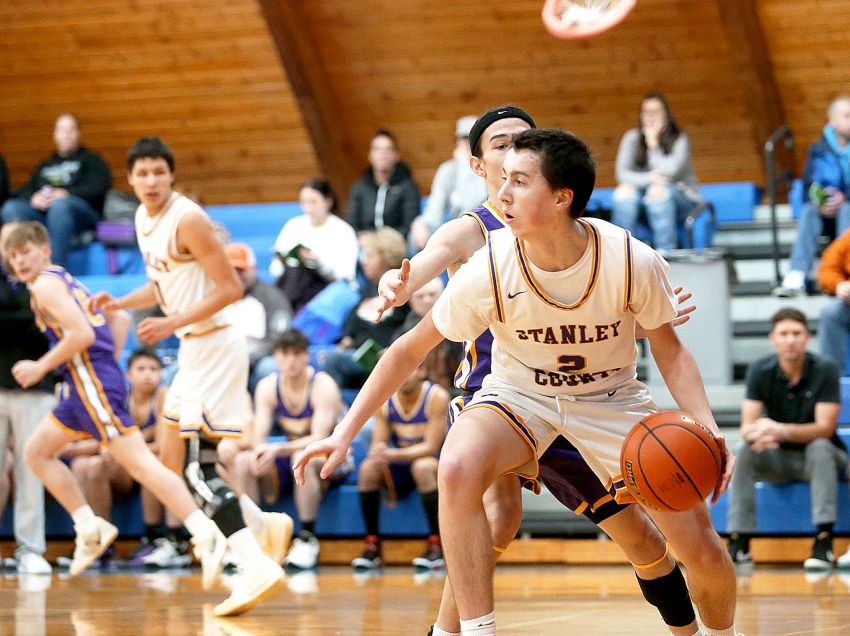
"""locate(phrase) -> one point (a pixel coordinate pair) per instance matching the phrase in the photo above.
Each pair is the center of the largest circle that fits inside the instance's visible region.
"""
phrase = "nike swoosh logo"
(611, 393)
(514, 295)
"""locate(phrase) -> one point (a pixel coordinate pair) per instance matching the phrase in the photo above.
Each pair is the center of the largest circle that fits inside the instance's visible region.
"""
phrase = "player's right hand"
(103, 301)
(727, 467)
(392, 289)
(264, 458)
(333, 448)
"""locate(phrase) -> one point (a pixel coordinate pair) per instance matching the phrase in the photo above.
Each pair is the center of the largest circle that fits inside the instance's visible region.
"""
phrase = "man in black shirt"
(20, 412)
(65, 192)
(788, 422)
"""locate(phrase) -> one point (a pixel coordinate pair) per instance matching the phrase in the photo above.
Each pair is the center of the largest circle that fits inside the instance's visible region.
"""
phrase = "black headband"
(491, 116)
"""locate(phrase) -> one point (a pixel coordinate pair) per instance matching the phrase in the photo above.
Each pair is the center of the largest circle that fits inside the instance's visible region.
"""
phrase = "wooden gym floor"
(552, 599)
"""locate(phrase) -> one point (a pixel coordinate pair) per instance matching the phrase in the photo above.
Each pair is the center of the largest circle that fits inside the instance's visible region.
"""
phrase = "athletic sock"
(481, 626)
(152, 532)
(243, 543)
(436, 631)
(198, 524)
(309, 526)
(720, 632)
(429, 502)
(251, 513)
(83, 515)
(370, 503)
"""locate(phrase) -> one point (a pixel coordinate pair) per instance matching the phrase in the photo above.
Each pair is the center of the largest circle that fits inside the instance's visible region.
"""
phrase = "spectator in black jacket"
(385, 194)
(65, 191)
(20, 412)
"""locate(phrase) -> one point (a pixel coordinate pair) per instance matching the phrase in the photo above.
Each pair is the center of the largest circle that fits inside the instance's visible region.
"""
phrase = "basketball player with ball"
(561, 296)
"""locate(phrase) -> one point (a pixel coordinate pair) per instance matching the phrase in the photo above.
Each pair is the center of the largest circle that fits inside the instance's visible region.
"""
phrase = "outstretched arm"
(453, 243)
(402, 358)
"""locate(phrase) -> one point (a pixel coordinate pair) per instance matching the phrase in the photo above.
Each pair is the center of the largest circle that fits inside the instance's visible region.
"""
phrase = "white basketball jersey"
(179, 280)
(566, 332)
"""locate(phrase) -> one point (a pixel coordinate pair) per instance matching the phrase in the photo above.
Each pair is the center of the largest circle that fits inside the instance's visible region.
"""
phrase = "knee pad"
(210, 491)
(670, 595)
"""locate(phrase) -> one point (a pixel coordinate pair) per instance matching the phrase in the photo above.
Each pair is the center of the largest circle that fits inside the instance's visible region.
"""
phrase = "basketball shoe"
(305, 551)
(256, 579)
(91, 541)
(370, 558)
(432, 558)
(209, 550)
(821, 557)
(275, 535)
(739, 548)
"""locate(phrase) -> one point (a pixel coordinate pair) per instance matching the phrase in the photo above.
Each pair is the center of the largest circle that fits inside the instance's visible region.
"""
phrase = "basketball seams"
(673, 457)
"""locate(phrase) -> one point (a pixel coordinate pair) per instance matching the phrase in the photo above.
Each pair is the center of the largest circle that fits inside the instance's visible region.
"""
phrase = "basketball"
(670, 462)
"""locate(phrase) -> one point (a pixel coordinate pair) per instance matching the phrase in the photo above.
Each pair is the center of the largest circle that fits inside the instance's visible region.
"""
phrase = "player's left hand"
(333, 448)
(683, 312)
(27, 373)
(264, 458)
(152, 330)
(727, 467)
(378, 453)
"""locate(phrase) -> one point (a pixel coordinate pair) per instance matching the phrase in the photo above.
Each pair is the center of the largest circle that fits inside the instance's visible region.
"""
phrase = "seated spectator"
(385, 194)
(20, 412)
(827, 176)
(4, 181)
(315, 248)
(383, 250)
(406, 441)
(655, 174)
(834, 278)
(103, 479)
(455, 189)
(788, 422)
(65, 192)
(262, 313)
(300, 405)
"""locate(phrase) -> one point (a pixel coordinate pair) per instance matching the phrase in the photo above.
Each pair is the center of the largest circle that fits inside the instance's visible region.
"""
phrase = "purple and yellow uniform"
(94, 399)
(407, 427)
(563, 470)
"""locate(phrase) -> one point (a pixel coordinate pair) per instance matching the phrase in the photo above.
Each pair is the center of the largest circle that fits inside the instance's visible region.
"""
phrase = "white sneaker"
(256, 580)
(843, 562)
(304, 554)
(793, 284)
(166, 555)
(209, 550)
(275, 536)
(90, 543)
(32, 563)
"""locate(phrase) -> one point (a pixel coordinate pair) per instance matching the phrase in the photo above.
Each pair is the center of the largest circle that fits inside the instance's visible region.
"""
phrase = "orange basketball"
(670, 461)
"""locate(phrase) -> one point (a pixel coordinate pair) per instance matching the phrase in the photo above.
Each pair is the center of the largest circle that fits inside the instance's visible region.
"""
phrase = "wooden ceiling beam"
(748, 47)
(324, 124)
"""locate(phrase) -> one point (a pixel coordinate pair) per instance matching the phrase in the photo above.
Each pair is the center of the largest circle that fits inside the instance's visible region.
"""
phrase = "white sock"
(198, 524)
(696, 633)
(83, 515)
(720, 632)
(441, 632)
(251, 513)
(245, 545)
(481, 626)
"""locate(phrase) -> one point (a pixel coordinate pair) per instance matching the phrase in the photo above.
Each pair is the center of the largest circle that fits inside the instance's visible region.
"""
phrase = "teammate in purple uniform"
(562, 469)
(406, 438)
(83, 350)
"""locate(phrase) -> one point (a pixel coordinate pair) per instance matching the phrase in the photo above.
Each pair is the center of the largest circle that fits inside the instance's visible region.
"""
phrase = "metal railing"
(782, 133)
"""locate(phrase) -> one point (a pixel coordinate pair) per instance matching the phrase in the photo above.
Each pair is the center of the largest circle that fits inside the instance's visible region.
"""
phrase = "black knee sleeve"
(211, 493)
(670, 595)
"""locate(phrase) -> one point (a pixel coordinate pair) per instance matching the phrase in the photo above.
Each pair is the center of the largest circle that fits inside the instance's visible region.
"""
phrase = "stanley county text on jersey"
(570, 331)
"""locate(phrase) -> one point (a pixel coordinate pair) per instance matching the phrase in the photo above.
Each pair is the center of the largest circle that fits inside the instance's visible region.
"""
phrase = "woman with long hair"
(655, 174)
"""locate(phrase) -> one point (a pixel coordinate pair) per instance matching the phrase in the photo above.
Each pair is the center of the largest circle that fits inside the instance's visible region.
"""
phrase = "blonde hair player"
(191, 280)
(563, 363)
(84, 348)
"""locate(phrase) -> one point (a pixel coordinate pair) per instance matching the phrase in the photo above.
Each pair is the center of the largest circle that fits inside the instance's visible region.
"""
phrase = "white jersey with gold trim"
(179, 280)
(567, 332)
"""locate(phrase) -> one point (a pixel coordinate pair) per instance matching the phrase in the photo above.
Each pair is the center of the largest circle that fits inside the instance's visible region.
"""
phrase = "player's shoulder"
(266, 386)
(50, 280)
